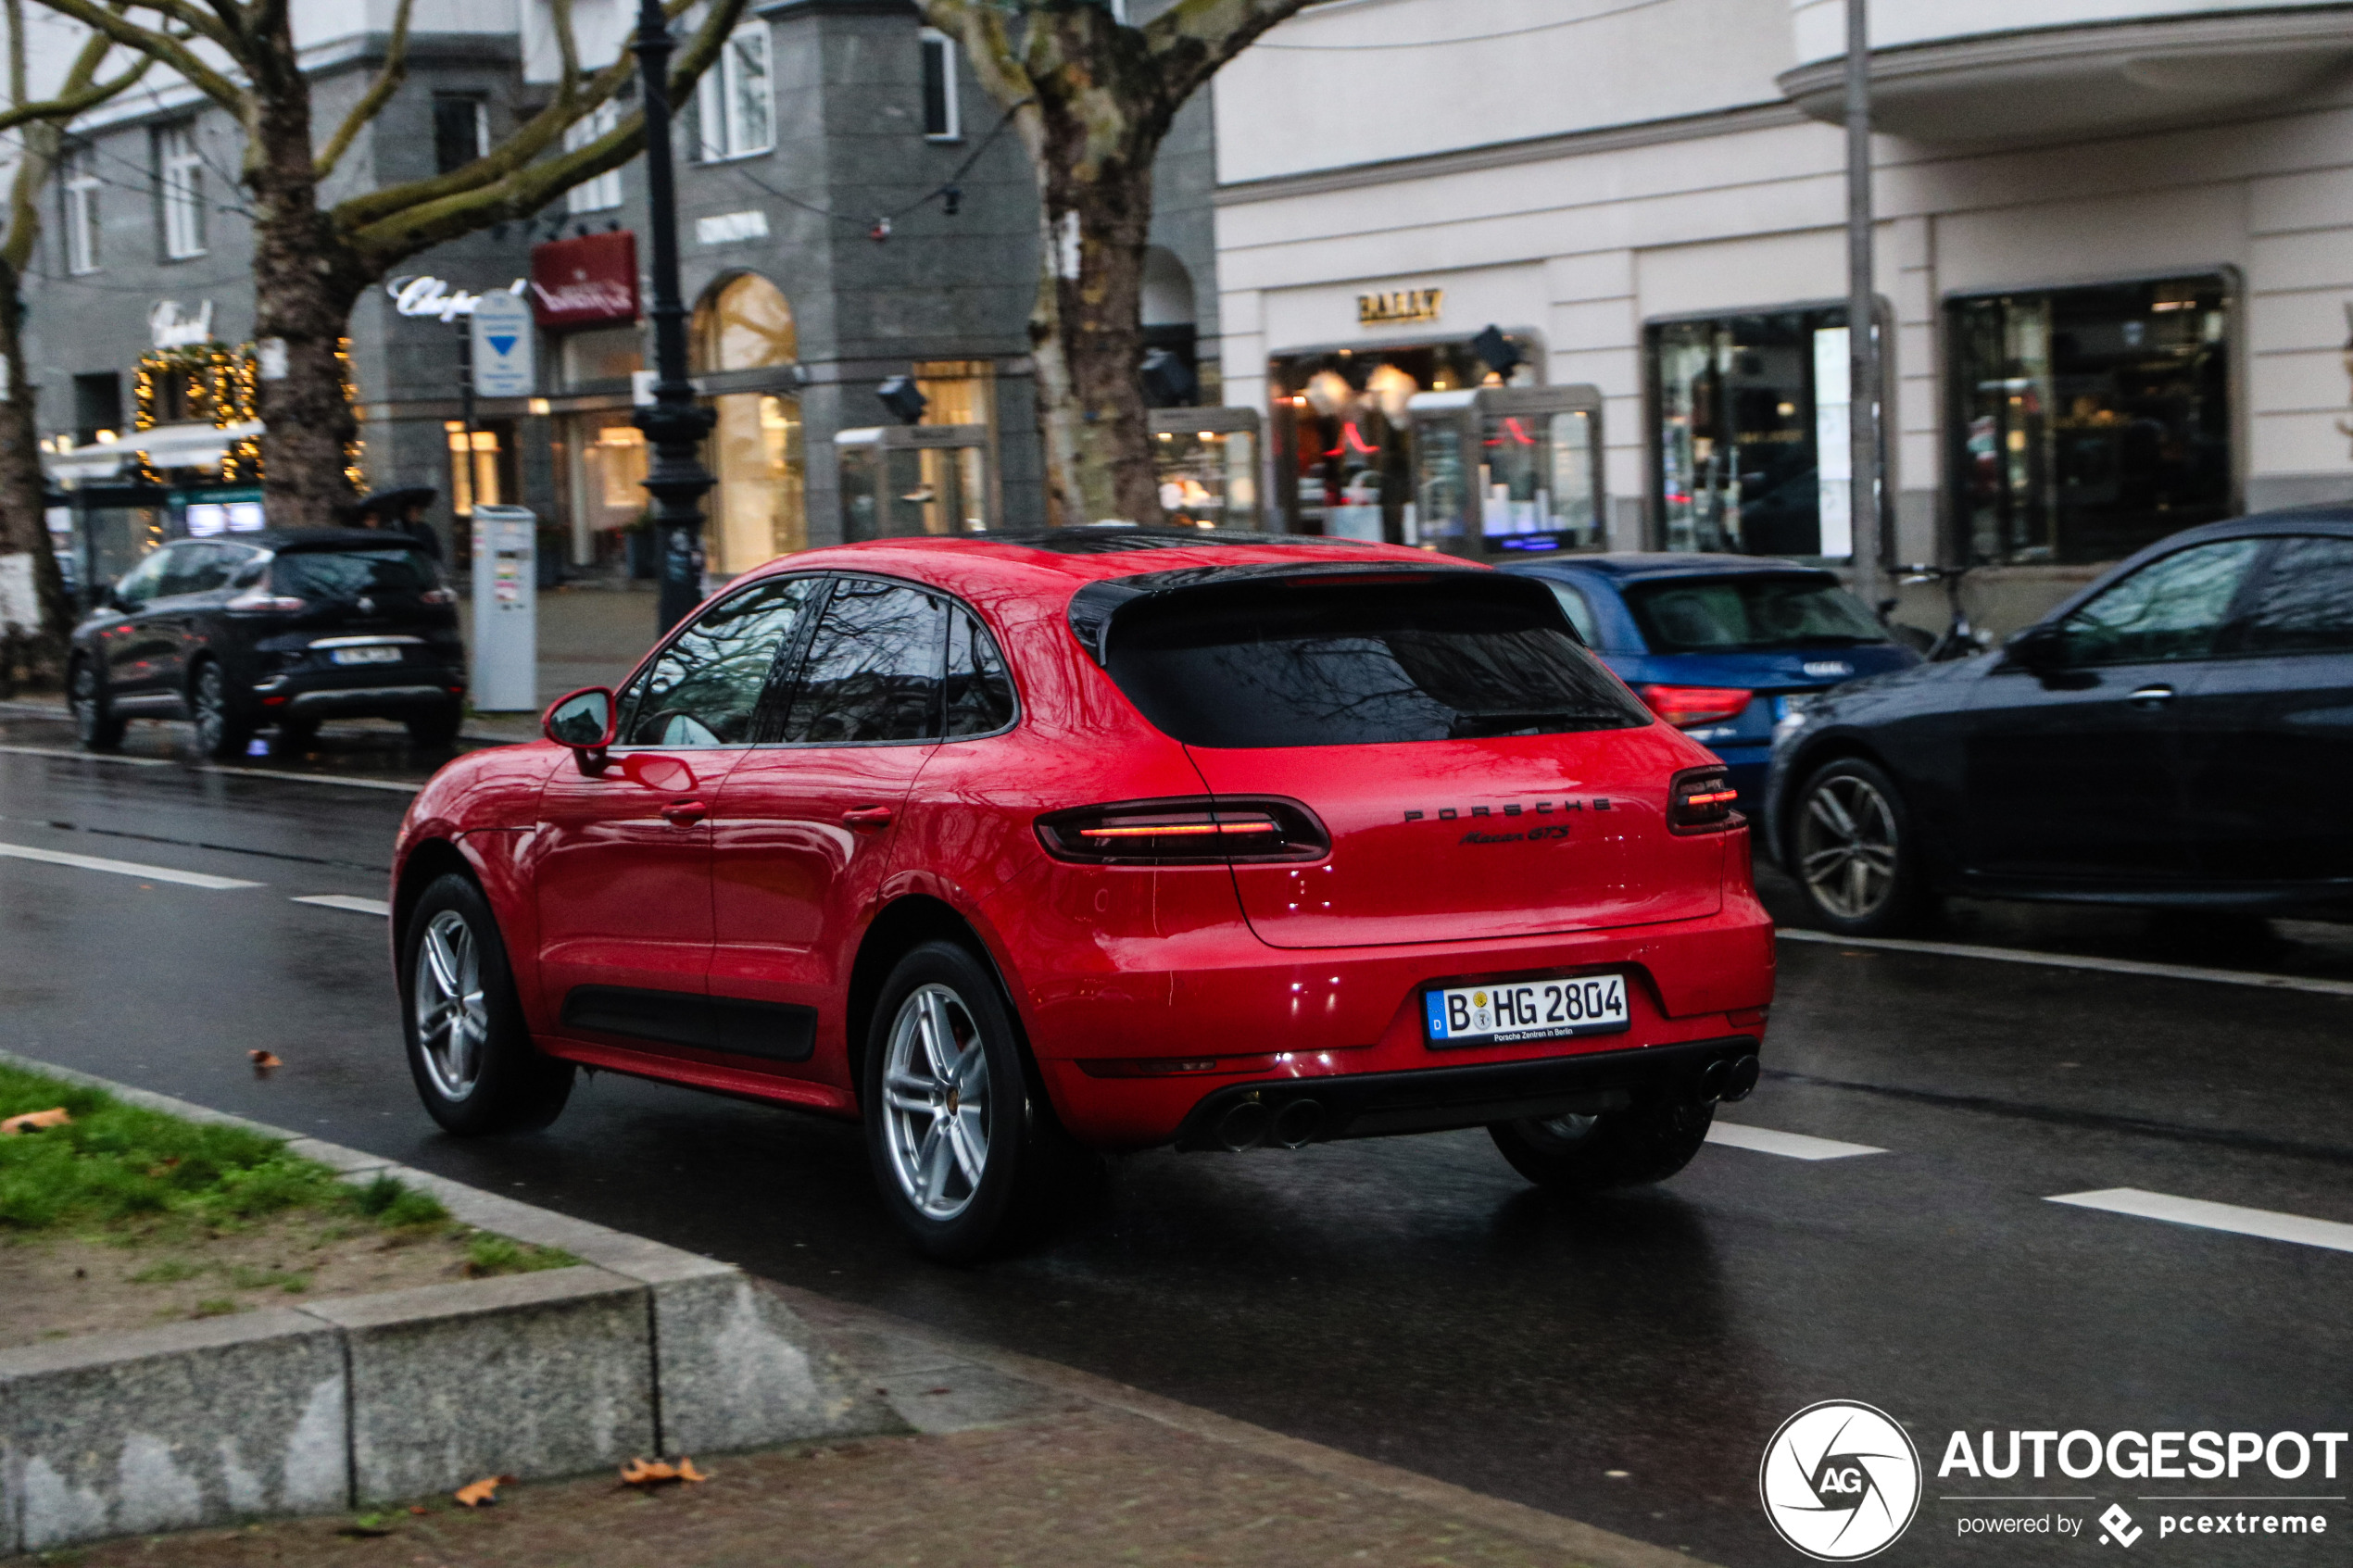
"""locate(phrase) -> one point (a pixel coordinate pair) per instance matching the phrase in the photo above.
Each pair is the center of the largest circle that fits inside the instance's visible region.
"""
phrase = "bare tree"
(312, 263)
(33, 648)
(1092, 99)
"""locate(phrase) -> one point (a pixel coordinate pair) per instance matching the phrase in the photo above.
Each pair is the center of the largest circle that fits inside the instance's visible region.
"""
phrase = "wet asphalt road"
(1622, 1362)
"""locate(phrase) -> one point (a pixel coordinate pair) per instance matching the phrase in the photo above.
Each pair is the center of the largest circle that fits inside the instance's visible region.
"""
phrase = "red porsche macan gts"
(1022, 847)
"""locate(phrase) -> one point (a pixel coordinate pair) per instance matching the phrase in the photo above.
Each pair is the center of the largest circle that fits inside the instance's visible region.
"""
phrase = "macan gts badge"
(1026, 849)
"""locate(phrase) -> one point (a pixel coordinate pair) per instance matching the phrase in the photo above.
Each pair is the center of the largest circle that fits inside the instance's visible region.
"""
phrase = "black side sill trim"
(773, 1030)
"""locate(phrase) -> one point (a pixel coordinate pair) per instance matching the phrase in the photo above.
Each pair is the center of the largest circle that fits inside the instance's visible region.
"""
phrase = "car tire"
(961, 1178)
(1853, 852)
(1647, 1142)
(469, 1051)
(95, 725)
(223, 727)
(437, 730)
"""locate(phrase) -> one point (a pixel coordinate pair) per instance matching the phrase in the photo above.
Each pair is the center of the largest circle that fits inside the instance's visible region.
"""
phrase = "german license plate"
(1534, 1009)
(365, 655)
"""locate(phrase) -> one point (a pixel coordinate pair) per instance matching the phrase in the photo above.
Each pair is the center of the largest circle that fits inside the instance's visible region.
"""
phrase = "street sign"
(501, 327)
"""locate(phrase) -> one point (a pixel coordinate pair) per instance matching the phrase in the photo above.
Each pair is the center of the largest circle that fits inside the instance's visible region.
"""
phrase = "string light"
(221, 384)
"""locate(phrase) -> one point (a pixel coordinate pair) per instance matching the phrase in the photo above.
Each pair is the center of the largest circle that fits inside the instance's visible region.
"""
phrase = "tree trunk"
(305, 283)
(1086, 338)
(32, 655)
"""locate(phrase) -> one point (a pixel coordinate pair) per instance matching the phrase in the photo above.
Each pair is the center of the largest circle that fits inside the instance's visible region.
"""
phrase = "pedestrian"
(400, 511)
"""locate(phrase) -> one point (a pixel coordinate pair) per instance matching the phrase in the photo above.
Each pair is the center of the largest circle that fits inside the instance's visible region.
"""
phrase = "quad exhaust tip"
(1245, 1125)
(1252, 1123)
(1728, 1078)
(1297, 1123)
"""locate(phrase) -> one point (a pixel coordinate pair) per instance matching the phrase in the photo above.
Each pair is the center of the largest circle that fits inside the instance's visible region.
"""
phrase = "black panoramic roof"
(1101, 538)
(1094, 607)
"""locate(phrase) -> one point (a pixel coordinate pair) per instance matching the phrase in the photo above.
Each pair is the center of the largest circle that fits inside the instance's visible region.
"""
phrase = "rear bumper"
(384, 699)
(1364, 1105)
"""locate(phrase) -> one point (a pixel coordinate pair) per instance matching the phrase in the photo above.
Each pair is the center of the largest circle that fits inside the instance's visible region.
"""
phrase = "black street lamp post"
(677, 424)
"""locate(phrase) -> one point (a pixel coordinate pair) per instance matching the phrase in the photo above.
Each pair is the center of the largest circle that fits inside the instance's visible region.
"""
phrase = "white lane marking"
(1794, 1146)
(317, 778)
(357, 906)
(123, 868)
(2269, 1223)
(2071, 961)
(84, 756)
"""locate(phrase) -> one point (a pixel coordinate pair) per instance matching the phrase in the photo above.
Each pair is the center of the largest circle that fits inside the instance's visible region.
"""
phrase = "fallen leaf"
(938, 1391)
(419, 1508)
(649, 1473)
(481, 1493)
(33, 1120)
(262, 1063)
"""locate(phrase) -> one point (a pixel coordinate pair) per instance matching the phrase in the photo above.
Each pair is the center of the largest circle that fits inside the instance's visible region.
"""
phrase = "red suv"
(1023, 847)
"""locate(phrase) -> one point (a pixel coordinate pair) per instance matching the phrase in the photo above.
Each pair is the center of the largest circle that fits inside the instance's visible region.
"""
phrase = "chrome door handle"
(868, 817)
(685, 813)
(2150, 696)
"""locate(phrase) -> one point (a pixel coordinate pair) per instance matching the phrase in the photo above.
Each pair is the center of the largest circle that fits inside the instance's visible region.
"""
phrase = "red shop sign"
(586, 281)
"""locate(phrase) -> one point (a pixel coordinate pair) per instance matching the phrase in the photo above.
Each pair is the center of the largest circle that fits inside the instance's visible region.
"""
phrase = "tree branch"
(995, 60)
(48, 119)
(1191, 39)
(160, 47)
(378, 94)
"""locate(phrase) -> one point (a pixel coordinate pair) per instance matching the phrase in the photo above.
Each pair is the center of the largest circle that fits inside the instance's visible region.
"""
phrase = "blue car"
(1719, 645)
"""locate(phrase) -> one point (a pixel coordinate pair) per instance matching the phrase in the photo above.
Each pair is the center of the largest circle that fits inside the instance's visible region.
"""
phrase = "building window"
(2087, 422)
(460, 130)
(80, 186)
(760, 507)
(943, 119)
(603, 193)
(97, 406)
(734, 107)
(1751, 451)
(181, 167)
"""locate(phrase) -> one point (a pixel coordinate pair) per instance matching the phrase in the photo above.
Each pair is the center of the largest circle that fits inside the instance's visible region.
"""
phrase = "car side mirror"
(582, 724)
(2039, 648)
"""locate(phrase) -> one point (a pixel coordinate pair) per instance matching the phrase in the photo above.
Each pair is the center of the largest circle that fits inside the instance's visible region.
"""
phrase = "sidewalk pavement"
(1012, 1460)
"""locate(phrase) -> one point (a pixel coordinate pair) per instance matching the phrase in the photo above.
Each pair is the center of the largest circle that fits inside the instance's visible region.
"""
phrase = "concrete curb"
(332, 1404)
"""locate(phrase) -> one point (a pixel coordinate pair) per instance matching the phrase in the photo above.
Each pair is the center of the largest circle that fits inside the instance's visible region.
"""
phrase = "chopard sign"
(1400, 305)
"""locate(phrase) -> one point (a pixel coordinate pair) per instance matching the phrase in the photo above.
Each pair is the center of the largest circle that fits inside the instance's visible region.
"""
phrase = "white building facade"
(2115, 259)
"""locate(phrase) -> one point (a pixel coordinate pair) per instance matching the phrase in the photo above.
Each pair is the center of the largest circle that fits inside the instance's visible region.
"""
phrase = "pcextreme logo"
(1840, 1481)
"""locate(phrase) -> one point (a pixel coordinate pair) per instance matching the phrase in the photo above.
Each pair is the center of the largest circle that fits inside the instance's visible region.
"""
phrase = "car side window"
(144, 581)
(1579, 613)
(873, 668)
(195, 569)
(2304, 601)
(2173, 609)
(704, 689)
(980, 693)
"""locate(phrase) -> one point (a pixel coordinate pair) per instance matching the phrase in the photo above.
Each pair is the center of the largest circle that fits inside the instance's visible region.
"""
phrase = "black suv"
(283, 627)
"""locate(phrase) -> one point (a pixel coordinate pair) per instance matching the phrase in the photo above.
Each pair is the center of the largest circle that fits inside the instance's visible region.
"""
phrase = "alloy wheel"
(452, 1021)
(212, 709)
(1846, 846)
(83, 699)
(936, 1106)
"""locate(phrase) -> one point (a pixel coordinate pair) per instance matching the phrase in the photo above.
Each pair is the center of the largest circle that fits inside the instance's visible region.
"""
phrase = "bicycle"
(1960, 638)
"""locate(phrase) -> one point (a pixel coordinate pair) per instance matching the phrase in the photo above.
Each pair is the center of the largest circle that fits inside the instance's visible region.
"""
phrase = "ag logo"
(1840, 1481)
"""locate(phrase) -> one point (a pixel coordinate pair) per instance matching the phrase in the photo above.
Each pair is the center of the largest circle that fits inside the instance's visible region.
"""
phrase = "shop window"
(746, 324)
(943, 121)
(760, 507)
(180, 178)
(79, 181)
(601, 356)
(603, 193)
(481, 465)
(1750, 454)
(97, 406)
(1341, 437)
(734, 108)
(460, 130)
(2089, 421)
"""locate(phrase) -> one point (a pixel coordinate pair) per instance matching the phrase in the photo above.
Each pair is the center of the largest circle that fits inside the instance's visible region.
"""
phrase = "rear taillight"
(261, 601)
(1685, 707)
(1184, 833)
(1699, 800)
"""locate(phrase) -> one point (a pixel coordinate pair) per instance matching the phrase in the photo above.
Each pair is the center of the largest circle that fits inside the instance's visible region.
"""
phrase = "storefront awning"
(167, 447)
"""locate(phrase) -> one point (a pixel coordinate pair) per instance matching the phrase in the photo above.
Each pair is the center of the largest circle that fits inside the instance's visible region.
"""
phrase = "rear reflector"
(1685, 707)
(1189, 831)
(1699, 800)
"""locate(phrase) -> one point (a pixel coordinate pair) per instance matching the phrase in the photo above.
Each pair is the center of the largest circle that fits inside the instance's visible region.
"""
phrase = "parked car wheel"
(1648, 1141)
(964, 1144)
(96, 723)
(1854, 852)
(437, 730)
(469, 1049)
(222, 727)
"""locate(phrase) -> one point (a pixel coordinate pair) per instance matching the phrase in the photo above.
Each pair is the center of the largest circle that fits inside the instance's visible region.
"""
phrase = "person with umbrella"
(400, 510)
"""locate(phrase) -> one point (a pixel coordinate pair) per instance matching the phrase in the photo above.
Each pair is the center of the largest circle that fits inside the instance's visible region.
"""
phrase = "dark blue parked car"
(1718, 644)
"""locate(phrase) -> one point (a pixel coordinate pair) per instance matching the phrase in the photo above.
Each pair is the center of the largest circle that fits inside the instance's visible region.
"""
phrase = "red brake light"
(1685, 707)
(1179, 833)
(1699, 800)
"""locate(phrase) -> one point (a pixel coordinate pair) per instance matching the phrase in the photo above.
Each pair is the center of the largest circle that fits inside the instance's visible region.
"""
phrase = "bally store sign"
(1399, 305)
(586, 281)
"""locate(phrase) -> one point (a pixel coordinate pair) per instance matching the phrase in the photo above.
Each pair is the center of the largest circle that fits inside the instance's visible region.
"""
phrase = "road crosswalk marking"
(357, 906)
(2269, 1223)
(1791, 1146)
(123, 868)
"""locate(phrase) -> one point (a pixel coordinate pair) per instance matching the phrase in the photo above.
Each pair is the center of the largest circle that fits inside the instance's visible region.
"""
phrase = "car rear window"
(350, 574)
(1361, 664)
(1750, 614)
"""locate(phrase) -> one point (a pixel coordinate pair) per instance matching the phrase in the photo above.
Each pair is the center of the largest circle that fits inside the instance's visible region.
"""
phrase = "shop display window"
(1341, 437)
(2089, 421)
(760, 510)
